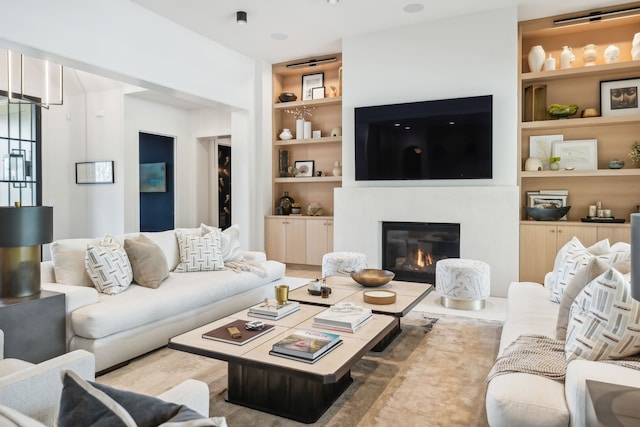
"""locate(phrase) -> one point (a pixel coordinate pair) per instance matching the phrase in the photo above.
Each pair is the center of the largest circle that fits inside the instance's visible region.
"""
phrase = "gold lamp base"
(19, 271)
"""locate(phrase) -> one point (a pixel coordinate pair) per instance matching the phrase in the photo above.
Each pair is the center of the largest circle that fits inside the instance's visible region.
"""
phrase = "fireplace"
(411, 249)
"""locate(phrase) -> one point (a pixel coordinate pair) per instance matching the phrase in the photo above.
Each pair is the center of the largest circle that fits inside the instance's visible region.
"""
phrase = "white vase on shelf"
(566, 57)
(299, 128)
(307, 129)
(285, 135)
(536, 58)
(635, 47)
(590, 54)
(611, 54)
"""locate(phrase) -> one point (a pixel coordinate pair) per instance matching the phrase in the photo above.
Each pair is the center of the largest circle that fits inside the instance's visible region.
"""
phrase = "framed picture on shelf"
(541, 146)
(619, 97)
(317, 92)
(309, 82)
(305, 168)
(578, 154)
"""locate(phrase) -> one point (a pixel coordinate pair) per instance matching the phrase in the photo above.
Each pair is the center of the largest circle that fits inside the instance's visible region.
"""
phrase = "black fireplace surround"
(411, 249)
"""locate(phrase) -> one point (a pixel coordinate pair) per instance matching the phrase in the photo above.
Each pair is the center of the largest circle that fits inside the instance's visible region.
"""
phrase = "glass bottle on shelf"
(285, 203)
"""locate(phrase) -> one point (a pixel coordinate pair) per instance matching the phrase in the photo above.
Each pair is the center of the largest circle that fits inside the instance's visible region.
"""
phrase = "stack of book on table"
(306, 345)
(344, 317)
(270, 309)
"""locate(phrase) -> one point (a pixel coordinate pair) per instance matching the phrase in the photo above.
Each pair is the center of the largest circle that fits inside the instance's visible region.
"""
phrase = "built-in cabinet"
(617, 189)
(324, 150)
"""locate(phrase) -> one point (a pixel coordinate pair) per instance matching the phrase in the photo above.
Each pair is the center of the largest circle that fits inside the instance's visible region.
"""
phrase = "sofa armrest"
(255, 256)
(1, 344)
(191, 393)
(47, 272)
(36, 391)
(579, 371)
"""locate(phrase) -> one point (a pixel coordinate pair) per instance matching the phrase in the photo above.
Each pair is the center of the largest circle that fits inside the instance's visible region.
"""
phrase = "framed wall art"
(309, 82)
(305, 168)
(578, 154)
(619, 97)
(95, 172)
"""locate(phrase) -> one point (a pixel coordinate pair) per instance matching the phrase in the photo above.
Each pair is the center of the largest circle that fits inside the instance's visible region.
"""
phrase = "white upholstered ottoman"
(463, 283)
(342, 263)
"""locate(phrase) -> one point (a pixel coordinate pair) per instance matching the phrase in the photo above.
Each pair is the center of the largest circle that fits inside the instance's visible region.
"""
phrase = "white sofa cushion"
(199, 253)
(229, 242)
(108, 266)
(604, 321)
(68, 261)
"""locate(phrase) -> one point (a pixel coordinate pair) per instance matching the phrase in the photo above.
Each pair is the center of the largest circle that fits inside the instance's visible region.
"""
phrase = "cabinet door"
(317, 240)
(614, 234)
(274, 238)
(329, 235)
(586, 234)
(537, 251)
(295, 241)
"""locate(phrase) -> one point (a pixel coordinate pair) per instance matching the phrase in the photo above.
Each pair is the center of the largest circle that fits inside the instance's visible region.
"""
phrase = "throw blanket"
(541, 355)
(251, 267)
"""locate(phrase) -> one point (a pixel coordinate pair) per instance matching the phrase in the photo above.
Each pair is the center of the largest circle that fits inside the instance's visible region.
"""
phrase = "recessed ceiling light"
(279, 36)
(241, 17)
(333, 1)
(413, 8)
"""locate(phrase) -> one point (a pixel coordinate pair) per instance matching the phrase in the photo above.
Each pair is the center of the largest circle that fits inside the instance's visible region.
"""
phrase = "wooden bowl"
(372, 277)
(380, 297)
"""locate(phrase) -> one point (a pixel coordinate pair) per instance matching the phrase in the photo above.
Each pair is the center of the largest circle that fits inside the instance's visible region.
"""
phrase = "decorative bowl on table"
(562, 111)
(372, 277)
(547, 213)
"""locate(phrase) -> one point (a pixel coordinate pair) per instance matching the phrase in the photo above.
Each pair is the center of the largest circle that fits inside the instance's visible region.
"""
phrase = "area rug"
(433, 374)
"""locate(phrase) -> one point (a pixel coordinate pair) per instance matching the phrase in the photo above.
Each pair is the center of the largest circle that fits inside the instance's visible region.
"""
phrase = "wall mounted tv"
(441, 139)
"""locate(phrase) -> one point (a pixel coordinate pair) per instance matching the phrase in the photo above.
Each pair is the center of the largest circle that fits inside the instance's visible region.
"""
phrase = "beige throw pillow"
(148, 262)
(108, 266)
(68, 261)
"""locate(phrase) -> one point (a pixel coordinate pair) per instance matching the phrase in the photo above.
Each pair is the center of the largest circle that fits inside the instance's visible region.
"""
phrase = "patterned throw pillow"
(108, 266)
(572, 258)
(604, 322)
(199, 253)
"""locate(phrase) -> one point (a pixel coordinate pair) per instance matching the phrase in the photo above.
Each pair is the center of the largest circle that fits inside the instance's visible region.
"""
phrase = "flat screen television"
(441, 139)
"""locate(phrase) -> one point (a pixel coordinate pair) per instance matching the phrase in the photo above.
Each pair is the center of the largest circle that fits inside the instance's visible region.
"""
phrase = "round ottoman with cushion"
(342, 263)
(462, 283)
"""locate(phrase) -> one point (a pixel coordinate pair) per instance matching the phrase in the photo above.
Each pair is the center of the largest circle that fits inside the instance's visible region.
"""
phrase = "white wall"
(467, 56)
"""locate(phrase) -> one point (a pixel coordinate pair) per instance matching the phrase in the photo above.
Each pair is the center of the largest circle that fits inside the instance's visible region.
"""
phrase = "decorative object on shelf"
(314, 209)
(337, 168)
(310, 81)
(316, 134)
(562, 111)
(317, 93)
(292, 171)
(535, 103)
(285, 203)
(372, 277)
(566, 57)
(533, 164)
(554, 163)
(287, 97)
(549, 63)
(619, 97)
(305, 168)
(611, 54)
(22, 232)
(635, 47)
(536, 58)
(589, 112)
(547, 199)
(616, 164)
(333, 91)
(300, 113)
(337, 131)
(319, 173)
(592, 211)
(590, 54)
(283, 163)
(541, 146)
(296, 209)
(581, 154)
(635, 153)
(307, 129)
(285, 135)
(547, 213)
(299, 128)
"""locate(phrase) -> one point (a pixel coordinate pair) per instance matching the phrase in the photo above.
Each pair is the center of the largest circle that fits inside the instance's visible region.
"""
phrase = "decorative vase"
(283, 165)
(307, 129)
(314, 209)
(285, 203)
(566, 57)
(590, 54)
(554, 166)
(299, 128)
(286, 135)
(611, 54)
(536, 58)
(635, 47)
(549, 63)
(533, 164)
(337, 168)
(336, 131)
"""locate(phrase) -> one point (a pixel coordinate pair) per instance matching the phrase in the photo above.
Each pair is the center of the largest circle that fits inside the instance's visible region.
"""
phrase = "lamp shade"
(25, 226)
(635, 256)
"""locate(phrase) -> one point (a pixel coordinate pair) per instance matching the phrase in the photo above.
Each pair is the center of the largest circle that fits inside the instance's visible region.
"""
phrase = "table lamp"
(22, 232)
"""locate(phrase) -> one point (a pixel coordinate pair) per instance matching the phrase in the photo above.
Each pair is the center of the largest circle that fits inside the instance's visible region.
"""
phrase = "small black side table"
(34, 326)
(612, 405)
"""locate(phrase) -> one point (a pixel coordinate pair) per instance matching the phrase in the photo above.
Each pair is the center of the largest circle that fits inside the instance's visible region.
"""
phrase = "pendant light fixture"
(30, 80)
(241, 17)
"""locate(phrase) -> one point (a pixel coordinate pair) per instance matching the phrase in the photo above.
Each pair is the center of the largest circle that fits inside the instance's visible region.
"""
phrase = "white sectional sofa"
(117, 328)
(522, 399)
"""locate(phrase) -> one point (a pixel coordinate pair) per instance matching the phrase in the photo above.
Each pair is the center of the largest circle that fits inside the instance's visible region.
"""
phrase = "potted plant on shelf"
(554, 163)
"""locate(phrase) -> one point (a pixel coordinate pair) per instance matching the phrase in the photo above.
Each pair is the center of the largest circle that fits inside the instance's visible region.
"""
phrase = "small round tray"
(380, 297)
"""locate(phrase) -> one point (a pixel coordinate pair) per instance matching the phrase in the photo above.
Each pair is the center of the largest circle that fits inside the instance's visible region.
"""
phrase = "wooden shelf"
(308, 180)
(577, 173)
(602, 70)
(324, 102)
(586, 224)
(323, 140)
(580, 122)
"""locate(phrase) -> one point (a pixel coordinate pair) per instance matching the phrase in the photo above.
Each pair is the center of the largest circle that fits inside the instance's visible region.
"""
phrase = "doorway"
(157, 210)
(224, 182)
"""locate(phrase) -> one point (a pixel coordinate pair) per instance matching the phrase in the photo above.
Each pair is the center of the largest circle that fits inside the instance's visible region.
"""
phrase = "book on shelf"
(270, 309)
(222, 333)
(345, 317)
(300, 359)
(554, 192)
(306, 344)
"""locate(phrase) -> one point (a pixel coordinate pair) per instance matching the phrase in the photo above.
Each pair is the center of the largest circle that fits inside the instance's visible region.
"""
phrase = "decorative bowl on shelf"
(287, 97)
(546, 213)
(561, 110)
(616, 164)
(372, 277)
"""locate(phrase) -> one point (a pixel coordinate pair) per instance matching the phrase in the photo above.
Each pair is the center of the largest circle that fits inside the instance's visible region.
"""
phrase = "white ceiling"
(315, 27)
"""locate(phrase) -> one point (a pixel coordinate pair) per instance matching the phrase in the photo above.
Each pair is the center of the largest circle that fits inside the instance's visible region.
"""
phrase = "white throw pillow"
(570, 259)
(199, 253)
(108, 266)
(230, 242)
(620, 251)
(67, 256)
(604, 322)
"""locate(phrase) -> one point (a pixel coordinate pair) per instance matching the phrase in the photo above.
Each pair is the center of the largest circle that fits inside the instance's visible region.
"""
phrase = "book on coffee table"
(306, 344)
(344, 317)
(270, 309)
(222, 333)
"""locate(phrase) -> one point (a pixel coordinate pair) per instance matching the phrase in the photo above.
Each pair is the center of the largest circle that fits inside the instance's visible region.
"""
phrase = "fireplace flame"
(423, 260)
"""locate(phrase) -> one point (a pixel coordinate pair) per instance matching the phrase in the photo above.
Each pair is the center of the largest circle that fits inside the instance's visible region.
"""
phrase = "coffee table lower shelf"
(285, 394)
